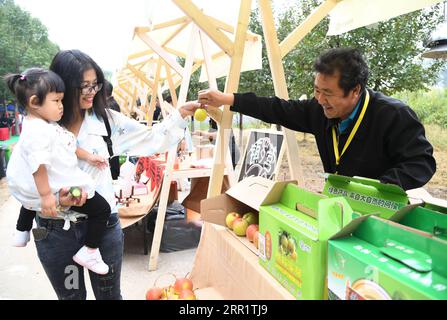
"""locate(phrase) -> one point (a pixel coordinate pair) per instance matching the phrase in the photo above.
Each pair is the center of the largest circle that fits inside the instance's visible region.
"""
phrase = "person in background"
(111, 102)
(358, 131)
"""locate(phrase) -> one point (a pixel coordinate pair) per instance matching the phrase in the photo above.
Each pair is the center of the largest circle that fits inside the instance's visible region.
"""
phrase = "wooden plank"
(280, 85)
(140, 75)
(171, 85)
(216, 179)
(306, 26)
(213, 84)
(175, 33)
(205, 24)
(160, 51)
(170, 23)
(230, 29)
(150, 113)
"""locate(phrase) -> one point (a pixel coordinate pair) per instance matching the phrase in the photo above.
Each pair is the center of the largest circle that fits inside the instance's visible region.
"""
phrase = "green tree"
(24, 43)
(392, 49)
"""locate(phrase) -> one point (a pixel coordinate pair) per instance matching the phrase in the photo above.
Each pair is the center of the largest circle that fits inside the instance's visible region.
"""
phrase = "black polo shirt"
(390, 144)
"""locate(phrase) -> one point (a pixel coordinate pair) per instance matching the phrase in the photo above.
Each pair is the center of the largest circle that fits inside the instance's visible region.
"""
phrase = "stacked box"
(374, 258)
(293, 239)
(367, 196)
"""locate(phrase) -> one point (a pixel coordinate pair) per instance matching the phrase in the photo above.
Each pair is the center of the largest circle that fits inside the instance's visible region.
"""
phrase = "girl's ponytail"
(11, 81)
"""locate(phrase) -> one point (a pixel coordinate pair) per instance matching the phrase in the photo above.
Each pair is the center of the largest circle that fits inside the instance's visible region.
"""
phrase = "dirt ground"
(313, 169)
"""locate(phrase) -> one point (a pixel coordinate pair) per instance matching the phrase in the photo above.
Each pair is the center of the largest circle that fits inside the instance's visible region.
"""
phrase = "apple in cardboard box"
(240, 227)
(229, 219)
(251, 217)
(251, 230)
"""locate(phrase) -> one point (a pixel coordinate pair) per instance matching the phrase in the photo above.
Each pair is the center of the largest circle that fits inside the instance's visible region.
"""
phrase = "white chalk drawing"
(261, 155)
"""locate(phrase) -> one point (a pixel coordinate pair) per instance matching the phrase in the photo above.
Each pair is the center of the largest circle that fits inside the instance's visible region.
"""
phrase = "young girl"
(44, 161)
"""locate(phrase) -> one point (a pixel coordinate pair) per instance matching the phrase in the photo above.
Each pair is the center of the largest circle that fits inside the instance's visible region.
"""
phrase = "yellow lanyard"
(351, 135)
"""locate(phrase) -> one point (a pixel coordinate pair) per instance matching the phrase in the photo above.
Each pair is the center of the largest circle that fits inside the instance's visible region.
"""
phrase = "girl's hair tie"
(22, 77)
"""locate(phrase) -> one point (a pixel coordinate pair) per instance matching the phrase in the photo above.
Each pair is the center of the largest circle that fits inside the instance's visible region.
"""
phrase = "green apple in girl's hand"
(75, 192)
(122, 159)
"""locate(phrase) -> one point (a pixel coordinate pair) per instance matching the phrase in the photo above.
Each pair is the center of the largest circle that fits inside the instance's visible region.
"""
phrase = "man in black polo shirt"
(359, 132)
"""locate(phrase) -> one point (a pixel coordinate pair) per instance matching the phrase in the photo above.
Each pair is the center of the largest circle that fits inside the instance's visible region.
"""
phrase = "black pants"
(97, 209)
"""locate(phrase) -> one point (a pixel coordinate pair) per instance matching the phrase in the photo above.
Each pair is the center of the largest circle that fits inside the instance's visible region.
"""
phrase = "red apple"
(250, 232)
(182, 284)
(154, 293)
(240, 227)
(229, 220)
(187, 294)
(256, 239)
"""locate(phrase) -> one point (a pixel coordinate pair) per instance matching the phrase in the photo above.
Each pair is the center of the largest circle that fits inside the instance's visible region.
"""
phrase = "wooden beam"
(232, 84)
(230, 29)
(171, 85)
(204, 23)
(160, 51)
(140, 75)
(139, 54)
(176, 32)
(306, 26)
(150, 113)
(171, 23)
(280, 85)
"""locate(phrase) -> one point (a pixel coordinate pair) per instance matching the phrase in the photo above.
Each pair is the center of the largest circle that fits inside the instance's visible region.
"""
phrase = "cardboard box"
(294, 231)
(424, 219)
(245, 196)
(374, 258)
(226, 269)
(367, 196)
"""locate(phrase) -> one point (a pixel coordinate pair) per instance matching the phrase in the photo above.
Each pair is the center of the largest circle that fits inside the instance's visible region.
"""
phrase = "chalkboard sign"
(261, 154)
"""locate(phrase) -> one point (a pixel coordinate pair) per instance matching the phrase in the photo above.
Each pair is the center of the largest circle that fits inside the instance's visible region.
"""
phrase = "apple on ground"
(240, 227)
(230, 219)
(187, 294)
(256, 239)
(251, 217)
(251, 231)
(182, 284)
(154, 293)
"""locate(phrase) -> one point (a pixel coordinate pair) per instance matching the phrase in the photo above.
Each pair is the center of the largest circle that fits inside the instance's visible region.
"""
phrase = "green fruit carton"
(293, 238)
(373, 258)
(367, 196)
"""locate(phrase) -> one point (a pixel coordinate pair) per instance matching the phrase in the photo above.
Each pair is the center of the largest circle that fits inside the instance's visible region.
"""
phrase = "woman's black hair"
(70, 65)
(34, 82)
(349, 63)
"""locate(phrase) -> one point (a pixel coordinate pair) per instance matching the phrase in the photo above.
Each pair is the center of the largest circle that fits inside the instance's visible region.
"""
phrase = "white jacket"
(128, 137)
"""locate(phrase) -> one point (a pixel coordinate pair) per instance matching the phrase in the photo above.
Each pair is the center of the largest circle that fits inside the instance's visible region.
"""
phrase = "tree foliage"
(392, 49)
(24, 43)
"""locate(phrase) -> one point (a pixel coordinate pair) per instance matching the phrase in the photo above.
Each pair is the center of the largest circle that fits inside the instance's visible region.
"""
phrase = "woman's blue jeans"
(56, 248)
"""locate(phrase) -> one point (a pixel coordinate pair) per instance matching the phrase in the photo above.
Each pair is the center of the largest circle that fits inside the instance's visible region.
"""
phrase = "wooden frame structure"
(139, 76)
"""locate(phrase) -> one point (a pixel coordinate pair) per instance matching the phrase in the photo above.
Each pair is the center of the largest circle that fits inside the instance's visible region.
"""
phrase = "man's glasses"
(88, 89)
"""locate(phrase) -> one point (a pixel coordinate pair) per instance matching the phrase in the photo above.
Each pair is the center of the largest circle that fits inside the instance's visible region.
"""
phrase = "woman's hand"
(48, 205)
(215, 98)
(67, 200)
(97, 161)
(188, 108)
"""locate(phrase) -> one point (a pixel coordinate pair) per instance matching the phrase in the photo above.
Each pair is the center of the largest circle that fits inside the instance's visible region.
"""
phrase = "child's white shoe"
(91, 259)
(20, 238)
